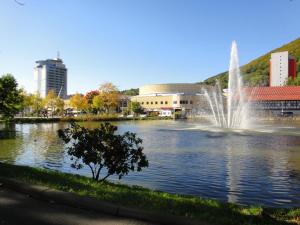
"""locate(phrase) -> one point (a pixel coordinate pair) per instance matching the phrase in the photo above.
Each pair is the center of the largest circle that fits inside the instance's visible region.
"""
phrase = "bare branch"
(19, 3)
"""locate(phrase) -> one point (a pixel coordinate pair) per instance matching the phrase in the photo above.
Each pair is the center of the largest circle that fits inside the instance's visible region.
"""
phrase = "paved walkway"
(16, 208)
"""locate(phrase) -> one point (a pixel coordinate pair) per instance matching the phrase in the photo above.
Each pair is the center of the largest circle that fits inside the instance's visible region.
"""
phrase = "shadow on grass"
(195, 208)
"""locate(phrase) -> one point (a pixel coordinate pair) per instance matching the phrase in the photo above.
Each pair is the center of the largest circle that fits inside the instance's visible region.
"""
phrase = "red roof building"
(278, 93)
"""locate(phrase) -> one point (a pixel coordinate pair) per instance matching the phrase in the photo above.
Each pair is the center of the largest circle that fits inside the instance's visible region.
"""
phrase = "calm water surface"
(261, 166)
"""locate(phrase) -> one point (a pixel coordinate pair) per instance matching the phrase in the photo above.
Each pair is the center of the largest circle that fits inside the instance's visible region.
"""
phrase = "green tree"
(136, 108)
(101, 148)
(11, 99)
(293, 82)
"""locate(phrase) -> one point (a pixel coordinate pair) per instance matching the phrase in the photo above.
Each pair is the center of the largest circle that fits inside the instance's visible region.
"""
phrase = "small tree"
(101, 148)
(136, 108)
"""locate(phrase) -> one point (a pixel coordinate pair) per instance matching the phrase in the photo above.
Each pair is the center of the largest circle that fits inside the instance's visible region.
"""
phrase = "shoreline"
(88, 118)
(152, 201)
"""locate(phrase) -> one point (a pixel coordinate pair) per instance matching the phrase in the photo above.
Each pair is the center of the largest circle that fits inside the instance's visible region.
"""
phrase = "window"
(147, 103)
(161, 102)
(155, 103)
(151, 103)
(166, 102)
(174, 102)
(142, 103)
(191, 102)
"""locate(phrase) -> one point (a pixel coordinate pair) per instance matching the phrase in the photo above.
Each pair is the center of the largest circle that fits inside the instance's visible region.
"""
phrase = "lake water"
(261, 166)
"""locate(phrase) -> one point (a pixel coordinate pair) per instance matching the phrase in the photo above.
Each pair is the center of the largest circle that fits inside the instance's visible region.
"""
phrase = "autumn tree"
(79, 102)
(109, 94)
(37, 103)
(53, 102)
(89, 96)
(98, 103)
(59, 104)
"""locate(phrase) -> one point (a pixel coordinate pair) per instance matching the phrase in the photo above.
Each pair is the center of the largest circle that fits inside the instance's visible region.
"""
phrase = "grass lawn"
(195, 208)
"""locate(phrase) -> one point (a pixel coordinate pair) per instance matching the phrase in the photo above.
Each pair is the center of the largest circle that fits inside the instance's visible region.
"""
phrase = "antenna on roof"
(58, 55)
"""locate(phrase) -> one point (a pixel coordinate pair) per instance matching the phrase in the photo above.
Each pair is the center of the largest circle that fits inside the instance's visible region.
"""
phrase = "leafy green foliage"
(256, 72)
(136, 108)
(101, 148)
(11, 99)
(131, 92)
(294, 82)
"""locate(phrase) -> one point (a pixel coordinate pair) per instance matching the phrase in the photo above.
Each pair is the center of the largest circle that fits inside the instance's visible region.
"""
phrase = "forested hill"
(256, 72)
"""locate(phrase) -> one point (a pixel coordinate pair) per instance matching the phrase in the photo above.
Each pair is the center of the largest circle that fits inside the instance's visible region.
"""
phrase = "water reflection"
(242, 167)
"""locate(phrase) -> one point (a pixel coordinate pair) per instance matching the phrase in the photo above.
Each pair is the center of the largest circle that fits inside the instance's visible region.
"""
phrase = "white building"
(51, 74)
(282, 66)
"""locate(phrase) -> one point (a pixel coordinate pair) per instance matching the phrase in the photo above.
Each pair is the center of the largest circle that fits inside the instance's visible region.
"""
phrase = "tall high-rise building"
(282, 66)
(51, 74)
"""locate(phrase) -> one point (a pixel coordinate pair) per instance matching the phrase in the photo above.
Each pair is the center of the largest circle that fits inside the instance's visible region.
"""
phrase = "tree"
(79, 102)
(110, 96)
(89, 96)
(98, 103)
(131, 92)
(38, 104)
(11, 100)
(53, 102)
(60, 104)
(136, 108)
(101, 148)
(294, 82)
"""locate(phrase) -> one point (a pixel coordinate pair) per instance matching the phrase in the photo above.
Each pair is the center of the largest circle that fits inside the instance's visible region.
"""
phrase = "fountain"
(231, 111)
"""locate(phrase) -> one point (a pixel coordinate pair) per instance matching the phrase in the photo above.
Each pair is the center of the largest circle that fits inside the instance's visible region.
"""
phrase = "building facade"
(282, 66)
(51, 74)
(275, 99)
(169, 98)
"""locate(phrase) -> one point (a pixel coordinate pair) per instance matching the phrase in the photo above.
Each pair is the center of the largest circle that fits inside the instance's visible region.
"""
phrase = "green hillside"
(256, 72)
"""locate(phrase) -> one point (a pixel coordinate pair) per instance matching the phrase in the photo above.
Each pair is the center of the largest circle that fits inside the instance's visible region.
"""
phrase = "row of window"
(147, 103)
(182, 102)
(278, 104)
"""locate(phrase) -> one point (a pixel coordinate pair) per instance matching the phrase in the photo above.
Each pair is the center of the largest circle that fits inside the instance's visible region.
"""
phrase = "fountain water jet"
(233, 114)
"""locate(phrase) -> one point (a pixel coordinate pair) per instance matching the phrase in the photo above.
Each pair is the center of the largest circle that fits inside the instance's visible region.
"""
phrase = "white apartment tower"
(51, 74)
(282, 66)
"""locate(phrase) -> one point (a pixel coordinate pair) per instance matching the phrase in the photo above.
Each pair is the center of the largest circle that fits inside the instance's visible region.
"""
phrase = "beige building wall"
(184, 97)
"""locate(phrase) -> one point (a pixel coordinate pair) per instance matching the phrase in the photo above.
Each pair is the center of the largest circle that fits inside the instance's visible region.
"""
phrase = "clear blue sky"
(137, 42)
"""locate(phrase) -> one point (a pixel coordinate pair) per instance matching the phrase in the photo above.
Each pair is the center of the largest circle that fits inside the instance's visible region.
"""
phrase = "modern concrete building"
(166, 99)
(51, 74)
(282, 66)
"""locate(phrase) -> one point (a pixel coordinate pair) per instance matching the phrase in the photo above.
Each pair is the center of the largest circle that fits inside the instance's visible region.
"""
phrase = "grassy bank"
(79, 119)
(196, 208)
